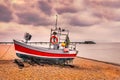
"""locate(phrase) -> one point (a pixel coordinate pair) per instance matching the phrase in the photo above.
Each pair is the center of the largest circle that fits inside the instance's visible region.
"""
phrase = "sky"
(95, 20)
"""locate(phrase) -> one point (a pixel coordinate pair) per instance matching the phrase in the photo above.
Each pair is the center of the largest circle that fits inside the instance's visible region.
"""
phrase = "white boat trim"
(24, 53)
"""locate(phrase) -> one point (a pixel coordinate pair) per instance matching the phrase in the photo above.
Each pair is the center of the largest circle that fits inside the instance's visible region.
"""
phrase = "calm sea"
(108, 52)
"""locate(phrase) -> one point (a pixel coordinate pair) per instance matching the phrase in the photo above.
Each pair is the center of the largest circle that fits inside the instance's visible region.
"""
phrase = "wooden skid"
(19, 63)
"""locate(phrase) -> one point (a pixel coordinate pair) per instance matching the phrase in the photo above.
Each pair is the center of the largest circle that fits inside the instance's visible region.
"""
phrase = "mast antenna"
(56, 22)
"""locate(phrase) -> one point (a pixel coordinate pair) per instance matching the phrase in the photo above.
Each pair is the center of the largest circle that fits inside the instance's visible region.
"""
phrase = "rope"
(5, 52)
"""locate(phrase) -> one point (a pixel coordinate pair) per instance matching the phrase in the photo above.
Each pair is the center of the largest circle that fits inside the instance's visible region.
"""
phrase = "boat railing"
(72, 46)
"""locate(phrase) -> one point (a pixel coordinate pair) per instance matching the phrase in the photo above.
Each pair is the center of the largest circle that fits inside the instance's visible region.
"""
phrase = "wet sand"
(83, 70)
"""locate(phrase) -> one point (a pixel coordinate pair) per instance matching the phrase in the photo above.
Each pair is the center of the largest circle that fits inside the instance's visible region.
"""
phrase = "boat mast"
(59, 32)
(53, 30)
(56, 23)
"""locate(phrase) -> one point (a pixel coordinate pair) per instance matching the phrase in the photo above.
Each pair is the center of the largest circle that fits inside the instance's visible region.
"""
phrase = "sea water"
(108, 52)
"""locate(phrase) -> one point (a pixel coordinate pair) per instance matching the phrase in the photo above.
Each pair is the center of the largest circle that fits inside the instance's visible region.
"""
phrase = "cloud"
(45, 7)
(105, 3)
(32, 19)
(66, 2)
(104, 32)
(104, 9)
(112, 4)
(109, 15)
(85, 19)
(66, 10)
(97, 20)
(5, 14)
(79, 22)
(11, 31)
(65, 6)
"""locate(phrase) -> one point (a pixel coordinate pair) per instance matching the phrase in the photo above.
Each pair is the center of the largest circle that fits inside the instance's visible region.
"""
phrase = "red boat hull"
(24, 49)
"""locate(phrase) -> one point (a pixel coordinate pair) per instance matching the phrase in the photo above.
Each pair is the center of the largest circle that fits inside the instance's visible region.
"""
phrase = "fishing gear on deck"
(27, 37)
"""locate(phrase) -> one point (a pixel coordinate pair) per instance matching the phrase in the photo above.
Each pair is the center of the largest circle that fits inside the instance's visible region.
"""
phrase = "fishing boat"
(60, 51)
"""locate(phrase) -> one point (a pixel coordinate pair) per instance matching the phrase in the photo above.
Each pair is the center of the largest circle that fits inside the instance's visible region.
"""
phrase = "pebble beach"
(83, 69)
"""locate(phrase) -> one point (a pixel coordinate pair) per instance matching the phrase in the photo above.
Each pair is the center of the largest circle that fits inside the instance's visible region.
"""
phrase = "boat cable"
(5, 52)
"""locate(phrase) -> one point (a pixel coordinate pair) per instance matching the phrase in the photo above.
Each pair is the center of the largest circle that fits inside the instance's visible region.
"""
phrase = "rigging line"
(5, 52)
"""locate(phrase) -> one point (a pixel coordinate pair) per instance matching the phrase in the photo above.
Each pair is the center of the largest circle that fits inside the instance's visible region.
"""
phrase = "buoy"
(54, 40)
(63, 44)
(66, 49)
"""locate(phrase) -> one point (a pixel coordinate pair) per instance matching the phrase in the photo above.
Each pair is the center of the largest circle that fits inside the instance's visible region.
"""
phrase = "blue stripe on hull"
(24, 56)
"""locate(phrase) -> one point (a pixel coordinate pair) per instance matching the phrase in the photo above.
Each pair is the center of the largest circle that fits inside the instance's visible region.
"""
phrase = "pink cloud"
(5, 14)
(86, 19)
